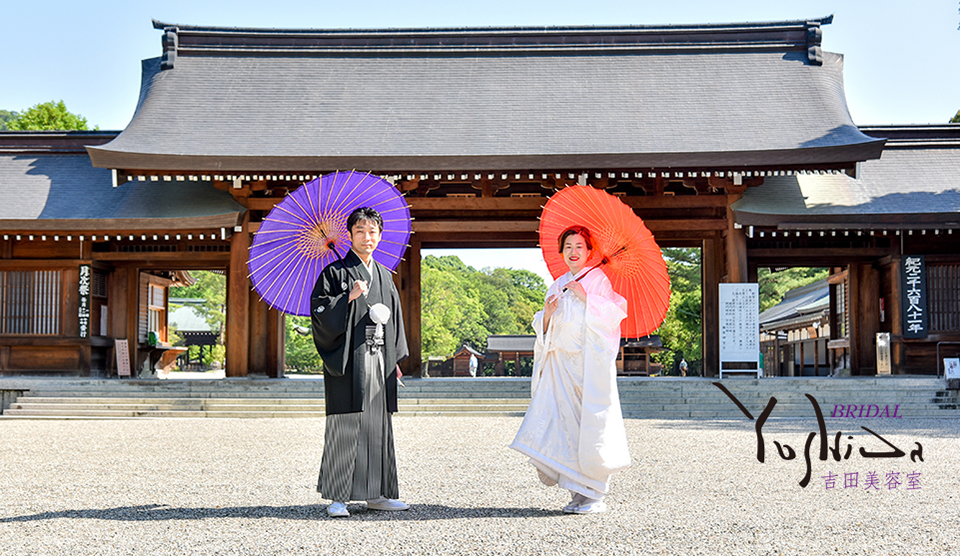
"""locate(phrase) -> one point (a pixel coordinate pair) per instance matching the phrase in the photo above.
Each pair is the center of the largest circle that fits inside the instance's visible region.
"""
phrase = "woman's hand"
(549, 308)
(577, 289)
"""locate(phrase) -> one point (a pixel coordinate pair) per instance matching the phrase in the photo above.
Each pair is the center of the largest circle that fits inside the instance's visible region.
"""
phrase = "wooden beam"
(693, 224)
(474, 227)
(515, 226)
(815, 257)
(184, 260)
(838, 278)
(40, 264)
(535, 203)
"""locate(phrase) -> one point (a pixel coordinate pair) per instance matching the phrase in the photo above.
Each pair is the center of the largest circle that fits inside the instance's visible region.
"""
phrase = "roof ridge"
(512, 29)
(915, 135)
(802, 35)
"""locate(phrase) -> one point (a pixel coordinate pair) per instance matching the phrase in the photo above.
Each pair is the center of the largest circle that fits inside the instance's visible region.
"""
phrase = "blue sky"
(900, 57)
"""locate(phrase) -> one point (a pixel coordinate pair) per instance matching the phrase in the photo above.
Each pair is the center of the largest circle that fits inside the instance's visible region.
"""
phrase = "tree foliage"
(956, 118)
(48, 116)
(462, 305)
(774, 285)
(212, 288)
(5, 117)
(681, 331)
(301, 353)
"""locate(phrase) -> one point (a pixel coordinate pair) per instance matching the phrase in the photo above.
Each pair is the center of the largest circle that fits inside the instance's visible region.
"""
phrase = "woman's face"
(575, 253)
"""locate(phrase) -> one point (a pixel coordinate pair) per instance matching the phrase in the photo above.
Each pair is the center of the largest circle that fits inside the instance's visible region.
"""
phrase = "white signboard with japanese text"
(739, 328)
(951, 368)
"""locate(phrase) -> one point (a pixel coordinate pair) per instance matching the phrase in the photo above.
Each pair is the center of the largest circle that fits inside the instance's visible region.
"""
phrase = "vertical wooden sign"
(84, 290)
(914, 303)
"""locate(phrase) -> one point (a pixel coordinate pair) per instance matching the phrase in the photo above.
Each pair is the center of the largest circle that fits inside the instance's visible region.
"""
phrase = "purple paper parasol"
(292, 245)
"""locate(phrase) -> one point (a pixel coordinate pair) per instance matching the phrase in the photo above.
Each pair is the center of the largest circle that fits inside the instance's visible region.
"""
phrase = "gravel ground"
(233, 486)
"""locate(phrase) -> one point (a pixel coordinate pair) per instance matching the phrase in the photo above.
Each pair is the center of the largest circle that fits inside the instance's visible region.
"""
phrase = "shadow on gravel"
(159, 512)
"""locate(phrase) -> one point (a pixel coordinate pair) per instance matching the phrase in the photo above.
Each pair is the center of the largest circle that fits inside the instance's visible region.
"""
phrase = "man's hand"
(359, 288)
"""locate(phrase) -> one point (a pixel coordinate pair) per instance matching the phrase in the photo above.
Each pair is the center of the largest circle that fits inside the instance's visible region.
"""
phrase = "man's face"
(364, 237)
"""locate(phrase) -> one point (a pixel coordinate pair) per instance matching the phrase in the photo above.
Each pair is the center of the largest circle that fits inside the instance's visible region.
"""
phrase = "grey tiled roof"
(919, 177)
(273, 100)
(187, 319)
(64, 192)
(810, 299)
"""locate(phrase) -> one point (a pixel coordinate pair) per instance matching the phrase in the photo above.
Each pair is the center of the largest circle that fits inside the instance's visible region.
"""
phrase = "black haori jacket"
(339, 332)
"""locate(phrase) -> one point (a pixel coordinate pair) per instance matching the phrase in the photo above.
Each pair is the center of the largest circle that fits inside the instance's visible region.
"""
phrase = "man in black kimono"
(358, 331)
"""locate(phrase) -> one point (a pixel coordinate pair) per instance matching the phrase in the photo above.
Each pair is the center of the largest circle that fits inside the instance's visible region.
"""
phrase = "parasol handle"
(330, 246)
(602, 262)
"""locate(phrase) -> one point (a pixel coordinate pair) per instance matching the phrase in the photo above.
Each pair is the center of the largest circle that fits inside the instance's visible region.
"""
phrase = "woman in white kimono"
(573, 430)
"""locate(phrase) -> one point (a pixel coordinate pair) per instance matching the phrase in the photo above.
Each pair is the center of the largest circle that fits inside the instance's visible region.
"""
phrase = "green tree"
(956, 118)
(774, 285)
(681, 331)
(212, 288)
(5, 117)
(301, 353)
(461, 305)
(450, 315)
(48, 116)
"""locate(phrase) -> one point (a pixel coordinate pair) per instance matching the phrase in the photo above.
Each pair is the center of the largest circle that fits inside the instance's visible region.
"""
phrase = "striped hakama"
(359, 462)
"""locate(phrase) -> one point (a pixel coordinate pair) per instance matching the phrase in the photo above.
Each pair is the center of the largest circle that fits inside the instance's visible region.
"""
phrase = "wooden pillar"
(238, 302)
(710, 286)
(816, 357)
(266, 343)
(803, 360)
(409, 285)
(735, 244)
(893, 311)
(854, 309)
(257, 336)
(132, 332)
(777, 355)
(864, 307)
(276, 343)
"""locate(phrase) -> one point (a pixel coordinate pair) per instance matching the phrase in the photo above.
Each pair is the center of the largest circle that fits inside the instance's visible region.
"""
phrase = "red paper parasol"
(622, 246)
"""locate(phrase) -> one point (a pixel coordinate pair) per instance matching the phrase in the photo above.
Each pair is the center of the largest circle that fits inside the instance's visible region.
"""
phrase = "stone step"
(254, 401)
(657, 398)
(159, 413)
(160, 406)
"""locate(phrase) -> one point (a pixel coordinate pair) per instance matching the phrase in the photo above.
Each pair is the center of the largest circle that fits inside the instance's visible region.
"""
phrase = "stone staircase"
(641, 398)
(674, 398)
(244, 398)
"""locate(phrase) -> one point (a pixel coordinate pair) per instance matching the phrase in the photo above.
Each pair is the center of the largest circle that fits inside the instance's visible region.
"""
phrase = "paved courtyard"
(230, 486)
